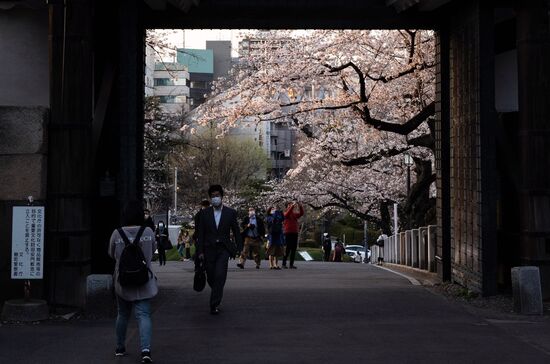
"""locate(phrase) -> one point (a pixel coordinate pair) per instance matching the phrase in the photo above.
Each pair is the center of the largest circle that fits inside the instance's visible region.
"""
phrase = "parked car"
(351, 251)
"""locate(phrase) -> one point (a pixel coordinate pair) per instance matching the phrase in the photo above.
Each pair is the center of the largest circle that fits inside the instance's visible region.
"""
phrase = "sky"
(196, 38)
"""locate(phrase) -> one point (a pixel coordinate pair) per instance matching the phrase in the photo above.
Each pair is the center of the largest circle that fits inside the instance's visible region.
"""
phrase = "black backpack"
(132, 267)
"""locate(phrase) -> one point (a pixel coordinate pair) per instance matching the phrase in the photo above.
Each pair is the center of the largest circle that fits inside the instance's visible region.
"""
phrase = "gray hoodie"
(148, 245)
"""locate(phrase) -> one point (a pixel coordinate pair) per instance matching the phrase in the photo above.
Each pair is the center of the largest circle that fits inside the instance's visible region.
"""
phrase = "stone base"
(527, 290)
(100, 300)
(25, 310)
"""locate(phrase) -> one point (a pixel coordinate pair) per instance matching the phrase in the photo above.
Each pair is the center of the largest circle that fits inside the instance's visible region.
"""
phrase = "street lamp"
(408, 159)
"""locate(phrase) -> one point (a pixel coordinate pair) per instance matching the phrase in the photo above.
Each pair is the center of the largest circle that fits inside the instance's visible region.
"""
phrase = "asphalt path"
(318, 313)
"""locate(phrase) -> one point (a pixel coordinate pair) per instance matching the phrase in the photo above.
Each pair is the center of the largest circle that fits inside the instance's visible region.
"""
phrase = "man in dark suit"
(214, 245)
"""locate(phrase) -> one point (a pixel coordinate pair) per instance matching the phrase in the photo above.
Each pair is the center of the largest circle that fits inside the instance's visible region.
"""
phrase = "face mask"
(161, 226)
(216, 201)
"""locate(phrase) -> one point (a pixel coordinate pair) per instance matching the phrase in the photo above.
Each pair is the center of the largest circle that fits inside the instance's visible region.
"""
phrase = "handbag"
(199, 280)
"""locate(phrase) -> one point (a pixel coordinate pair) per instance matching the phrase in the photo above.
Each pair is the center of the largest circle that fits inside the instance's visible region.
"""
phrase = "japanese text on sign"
(27, 244)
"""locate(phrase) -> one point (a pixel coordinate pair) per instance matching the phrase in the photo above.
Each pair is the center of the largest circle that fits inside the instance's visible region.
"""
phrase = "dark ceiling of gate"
(292, 14)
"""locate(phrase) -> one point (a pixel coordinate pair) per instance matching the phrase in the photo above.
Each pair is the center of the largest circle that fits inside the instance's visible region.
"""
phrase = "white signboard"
(27, 242)
(307, 257)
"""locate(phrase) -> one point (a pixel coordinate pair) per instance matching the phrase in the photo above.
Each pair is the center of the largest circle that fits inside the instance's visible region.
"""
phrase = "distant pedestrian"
(339, 251)
(148, 220)
(291, 228)
(275, 237)
(163, 242)
(380, 242)
(253, 233)
(327, 247)
(138, 294)
(184, 245)
(214, 244)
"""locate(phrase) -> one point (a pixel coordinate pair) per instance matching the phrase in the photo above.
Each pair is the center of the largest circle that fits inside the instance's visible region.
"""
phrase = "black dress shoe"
(214, 310)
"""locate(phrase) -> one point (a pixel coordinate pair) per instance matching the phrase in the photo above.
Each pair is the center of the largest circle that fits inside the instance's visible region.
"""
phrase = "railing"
(414, 248)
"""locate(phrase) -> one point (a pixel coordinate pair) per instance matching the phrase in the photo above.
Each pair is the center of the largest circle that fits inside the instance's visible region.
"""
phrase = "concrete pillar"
(402, 247)
(392, 244)
(408, 248)
(415, 248)
(422, 248)
(432, 243)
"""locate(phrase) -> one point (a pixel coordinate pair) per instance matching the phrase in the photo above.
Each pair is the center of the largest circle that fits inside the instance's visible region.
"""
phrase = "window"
(198, 84)
(167, 99)
(163, 82)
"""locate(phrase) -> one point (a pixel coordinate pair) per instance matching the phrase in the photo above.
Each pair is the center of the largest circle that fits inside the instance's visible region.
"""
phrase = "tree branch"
(407, 127)
(426, 140)
(373, 157)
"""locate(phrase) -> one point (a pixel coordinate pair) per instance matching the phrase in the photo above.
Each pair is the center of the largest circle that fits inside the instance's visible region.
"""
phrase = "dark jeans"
(291, 246)
(326, 257)
(162, 256)
(216, 273)
(187, 253)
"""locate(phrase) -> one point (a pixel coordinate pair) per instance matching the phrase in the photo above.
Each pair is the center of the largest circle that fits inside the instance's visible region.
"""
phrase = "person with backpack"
(253, 233)
(291, 228)
(132, 247)
(275, 245)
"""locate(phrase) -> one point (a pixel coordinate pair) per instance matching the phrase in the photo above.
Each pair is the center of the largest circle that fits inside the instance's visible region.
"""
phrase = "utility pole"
(366, 239)
(175, 191)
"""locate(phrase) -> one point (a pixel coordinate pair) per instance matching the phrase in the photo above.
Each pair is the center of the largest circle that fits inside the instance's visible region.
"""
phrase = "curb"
(413, 281)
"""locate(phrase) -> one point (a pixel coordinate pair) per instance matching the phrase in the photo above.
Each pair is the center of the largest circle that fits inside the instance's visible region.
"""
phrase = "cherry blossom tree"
(360, 98)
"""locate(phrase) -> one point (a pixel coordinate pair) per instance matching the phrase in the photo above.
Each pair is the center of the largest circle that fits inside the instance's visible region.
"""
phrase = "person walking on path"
(290, 227)
(214, 245)
(327, 247)
(254, 230)
(137, 297)
(148, 220)
(184, 245)
(163, 243)
(380, 242)
(338, 252)
(275, 245)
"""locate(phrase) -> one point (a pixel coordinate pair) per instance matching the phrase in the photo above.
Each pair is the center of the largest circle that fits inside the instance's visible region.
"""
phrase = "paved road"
(319, 313)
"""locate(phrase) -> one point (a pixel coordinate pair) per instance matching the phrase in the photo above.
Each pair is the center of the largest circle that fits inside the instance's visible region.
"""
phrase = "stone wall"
(23, 157)
(465, 154)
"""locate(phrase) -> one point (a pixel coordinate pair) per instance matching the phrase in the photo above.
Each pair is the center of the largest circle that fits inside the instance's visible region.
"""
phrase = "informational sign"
(307, 257)
(27, 242)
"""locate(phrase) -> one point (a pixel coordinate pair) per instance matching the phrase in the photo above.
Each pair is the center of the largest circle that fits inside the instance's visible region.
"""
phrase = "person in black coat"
(214, 244)
(163, 242)
(148, 220)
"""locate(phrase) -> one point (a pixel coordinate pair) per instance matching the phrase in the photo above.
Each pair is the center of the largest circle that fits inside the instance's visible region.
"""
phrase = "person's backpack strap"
(123, 236)
(138, 236)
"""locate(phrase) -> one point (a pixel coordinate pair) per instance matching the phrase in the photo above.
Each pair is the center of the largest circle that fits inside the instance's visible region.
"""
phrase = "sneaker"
(120, 351)
(284, 266)
(240, 265)
(146, 356)
(292, 267)
(257, 267)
